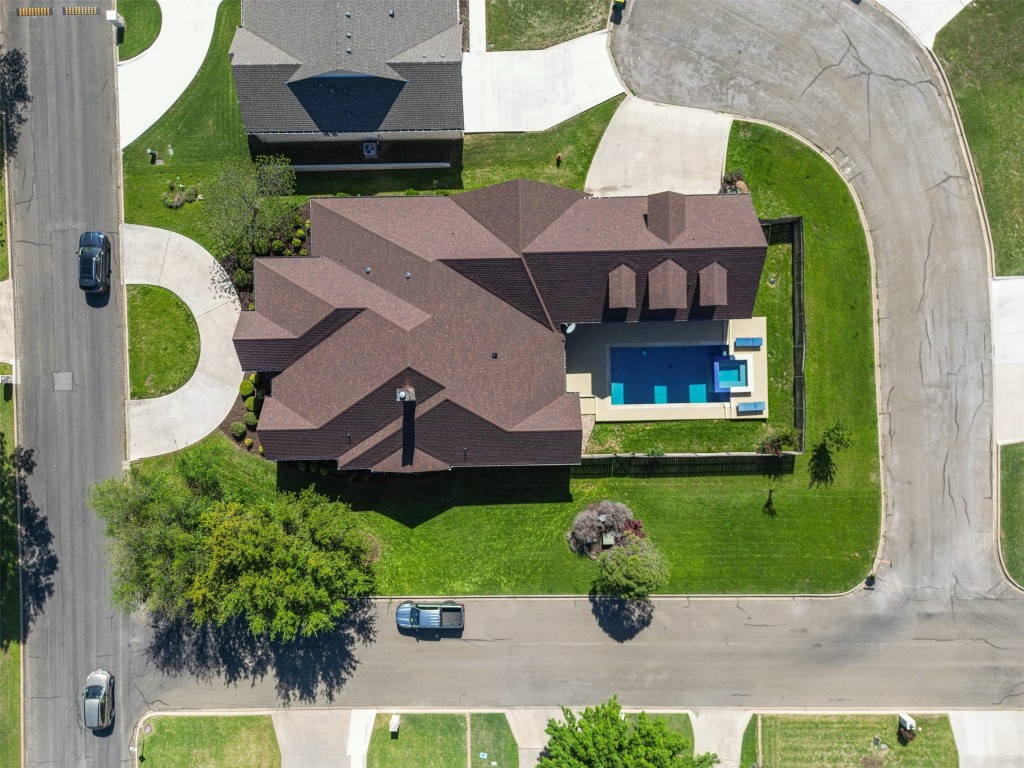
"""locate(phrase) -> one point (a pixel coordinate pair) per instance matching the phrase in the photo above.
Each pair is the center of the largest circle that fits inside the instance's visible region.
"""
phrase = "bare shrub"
(595, 520)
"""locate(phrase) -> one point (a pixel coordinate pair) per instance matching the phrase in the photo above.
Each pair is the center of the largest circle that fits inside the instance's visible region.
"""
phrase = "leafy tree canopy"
(600, 738)
(288, 564)
(631, 570)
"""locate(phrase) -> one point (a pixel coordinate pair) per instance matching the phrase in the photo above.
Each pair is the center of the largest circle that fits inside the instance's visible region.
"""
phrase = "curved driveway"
(942, 629)
(164, 424)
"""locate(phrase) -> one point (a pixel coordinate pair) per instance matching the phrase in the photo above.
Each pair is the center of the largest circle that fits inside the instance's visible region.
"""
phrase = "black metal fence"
(791, 230)
(683, 465)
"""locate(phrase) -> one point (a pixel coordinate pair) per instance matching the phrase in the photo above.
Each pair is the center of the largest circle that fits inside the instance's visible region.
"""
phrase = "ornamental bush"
(595, 520)
(246, 388)
(250, 403)
(296, 242)
(242, 278)
(251, 420)
(248, 443)
(237, 430)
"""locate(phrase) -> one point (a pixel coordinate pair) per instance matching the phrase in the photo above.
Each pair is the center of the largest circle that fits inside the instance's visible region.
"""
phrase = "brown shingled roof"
(460, 298)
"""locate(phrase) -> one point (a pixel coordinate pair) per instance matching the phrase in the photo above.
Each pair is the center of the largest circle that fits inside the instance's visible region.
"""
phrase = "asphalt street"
(64, 179)
(941, 628)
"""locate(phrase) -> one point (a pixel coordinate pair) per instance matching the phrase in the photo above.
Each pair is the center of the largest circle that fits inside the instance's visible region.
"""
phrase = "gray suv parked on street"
(93, 262)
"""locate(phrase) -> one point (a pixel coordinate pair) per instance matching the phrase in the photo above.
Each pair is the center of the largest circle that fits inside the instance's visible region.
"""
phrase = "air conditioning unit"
(369, 149)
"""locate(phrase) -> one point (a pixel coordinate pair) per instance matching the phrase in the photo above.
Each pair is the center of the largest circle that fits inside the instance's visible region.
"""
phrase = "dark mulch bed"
(238, 414)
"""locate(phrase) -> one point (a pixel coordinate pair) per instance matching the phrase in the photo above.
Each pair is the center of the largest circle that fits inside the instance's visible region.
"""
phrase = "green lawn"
(224, 742)
(794, 741)
(10, 616)
(525, 25)
(982, 51)
(4, 270)
(163, 341)
(1011, 521)
(142, 25)
(490, 733)
(748, 754)
(204, 129)
(787, 178)
(424, 741)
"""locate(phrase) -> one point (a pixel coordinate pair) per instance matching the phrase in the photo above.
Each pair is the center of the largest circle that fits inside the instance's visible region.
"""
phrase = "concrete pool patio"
(587, 367)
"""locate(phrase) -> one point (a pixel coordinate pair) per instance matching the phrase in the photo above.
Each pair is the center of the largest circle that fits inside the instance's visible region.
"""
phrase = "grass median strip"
(244, 741)
(982, 52)
(798, 741)
(142, 19)
(163, 341)
(10, 614)
(1011, 518)
(490, 734)
(423, 741)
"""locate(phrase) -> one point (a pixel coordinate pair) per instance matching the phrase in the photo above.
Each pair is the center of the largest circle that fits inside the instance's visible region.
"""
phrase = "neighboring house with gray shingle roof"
(347, 71)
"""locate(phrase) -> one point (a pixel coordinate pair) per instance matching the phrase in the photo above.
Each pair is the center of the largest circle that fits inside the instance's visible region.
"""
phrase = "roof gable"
(714, 285)
(666, 215)
(621, 288)
(666, 286)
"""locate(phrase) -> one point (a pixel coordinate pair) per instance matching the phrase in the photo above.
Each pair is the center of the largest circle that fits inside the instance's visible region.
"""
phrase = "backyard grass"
(788, 178)
(163, 341)
(982, 52)
(141, 26)
(490, 733)
(424, 741)
(526, 25)
(10, 616)
(224, 742)
(1011, 518)
(792, 741)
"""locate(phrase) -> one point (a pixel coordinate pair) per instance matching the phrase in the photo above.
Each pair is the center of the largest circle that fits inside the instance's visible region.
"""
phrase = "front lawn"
(424, 741)
(797, 741)
(787, 178)
(224, 742)
(490, 734)
(163, 341)
(141, 26)
(1011, 519)
(982, 52)
(526, 25)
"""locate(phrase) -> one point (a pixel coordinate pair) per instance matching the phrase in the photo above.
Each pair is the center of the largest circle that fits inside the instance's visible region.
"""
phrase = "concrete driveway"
(148, 84)
(164, 424)
(649, 147)
(1008, 353)
(535, 90)
(924, 18)
(989, 739)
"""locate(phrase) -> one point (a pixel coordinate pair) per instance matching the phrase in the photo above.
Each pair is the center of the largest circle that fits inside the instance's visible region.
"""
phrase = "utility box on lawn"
(908, 723)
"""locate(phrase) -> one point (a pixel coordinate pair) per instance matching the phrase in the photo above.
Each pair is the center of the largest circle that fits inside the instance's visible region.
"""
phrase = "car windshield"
(414, 616)
(89, 250)
(93, 691)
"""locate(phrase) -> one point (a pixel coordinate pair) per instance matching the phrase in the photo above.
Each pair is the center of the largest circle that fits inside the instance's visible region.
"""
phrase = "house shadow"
(414, 499)
(308, 670)
(38, 561)
(621, 619)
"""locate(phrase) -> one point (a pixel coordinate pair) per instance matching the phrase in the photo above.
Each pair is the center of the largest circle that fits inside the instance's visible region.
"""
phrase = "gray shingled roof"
(349, 66)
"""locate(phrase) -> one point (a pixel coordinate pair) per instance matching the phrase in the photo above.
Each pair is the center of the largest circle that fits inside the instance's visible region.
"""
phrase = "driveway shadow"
(621, 619)
(308, 670)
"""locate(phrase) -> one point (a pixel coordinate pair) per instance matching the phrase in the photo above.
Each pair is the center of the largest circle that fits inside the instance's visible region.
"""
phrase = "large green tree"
(247, 204)
(288, 564)
(631, 570)
(601, 738)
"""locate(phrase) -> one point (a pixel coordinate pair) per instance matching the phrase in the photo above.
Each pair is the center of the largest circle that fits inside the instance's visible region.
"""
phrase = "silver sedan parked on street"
(98, 700)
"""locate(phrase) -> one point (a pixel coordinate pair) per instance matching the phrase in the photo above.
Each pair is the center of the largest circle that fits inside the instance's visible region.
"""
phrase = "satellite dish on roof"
(568, 327)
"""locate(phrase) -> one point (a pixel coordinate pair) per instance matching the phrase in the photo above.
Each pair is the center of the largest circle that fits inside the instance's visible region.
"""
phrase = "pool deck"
(587, 367)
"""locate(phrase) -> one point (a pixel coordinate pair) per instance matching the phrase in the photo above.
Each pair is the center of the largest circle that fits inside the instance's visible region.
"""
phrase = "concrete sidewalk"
(148, 84)
(535, 90)
(720, 731)
(924, 18)
(989, 739)
(528, 726)
(1007, 306)
(165, 424)
(651, 147)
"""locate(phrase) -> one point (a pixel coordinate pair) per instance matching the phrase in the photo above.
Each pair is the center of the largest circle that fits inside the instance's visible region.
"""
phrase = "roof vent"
(405, 395)
(367, 270)
(348, 14)
(348, 50)
(494, 355)
(391, 13)
(408, 275)
(348, 34)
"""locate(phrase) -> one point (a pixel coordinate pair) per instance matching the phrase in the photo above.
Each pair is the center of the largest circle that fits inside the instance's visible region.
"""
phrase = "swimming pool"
(665, 374)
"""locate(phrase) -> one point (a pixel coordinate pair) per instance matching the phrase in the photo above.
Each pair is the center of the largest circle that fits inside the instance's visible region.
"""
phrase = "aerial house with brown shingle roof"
(429, 332)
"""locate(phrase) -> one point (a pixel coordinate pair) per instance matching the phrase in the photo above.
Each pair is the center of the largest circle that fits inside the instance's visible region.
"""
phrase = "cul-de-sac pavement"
(941, 628)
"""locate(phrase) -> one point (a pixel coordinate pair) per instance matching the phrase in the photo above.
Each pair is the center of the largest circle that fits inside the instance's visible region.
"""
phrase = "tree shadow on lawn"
(417, 498)
(21, 518)
(307, 670)
(621, 619)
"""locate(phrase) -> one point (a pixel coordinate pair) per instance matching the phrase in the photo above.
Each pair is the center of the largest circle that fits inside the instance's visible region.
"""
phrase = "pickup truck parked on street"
(448, 615)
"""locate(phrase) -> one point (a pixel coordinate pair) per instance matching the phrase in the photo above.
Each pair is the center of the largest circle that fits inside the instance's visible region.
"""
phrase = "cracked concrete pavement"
(941, 629)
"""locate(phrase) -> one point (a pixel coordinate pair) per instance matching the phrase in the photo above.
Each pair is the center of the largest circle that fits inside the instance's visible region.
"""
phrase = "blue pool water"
(656, 375)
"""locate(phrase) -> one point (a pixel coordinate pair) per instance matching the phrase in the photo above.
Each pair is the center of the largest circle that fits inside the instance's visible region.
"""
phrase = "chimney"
(666, 215)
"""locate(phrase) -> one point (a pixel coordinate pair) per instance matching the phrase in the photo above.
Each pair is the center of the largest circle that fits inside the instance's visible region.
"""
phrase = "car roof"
(91, 237)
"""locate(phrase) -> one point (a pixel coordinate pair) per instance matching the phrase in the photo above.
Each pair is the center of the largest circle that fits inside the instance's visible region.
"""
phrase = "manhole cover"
(147, 728)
